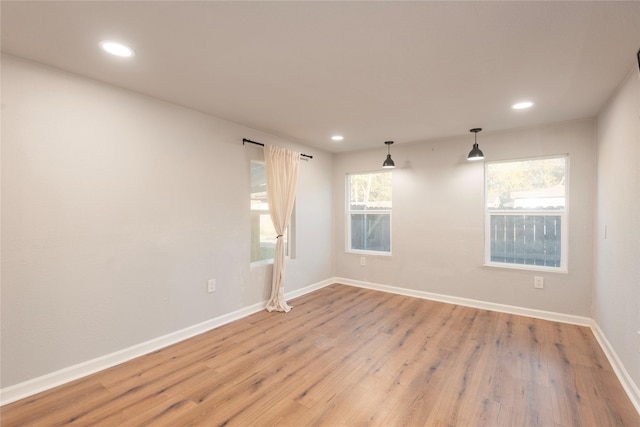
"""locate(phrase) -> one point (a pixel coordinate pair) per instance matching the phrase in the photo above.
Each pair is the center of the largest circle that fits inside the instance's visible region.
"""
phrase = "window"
(263, 233)
(526, 213)
(369, 213)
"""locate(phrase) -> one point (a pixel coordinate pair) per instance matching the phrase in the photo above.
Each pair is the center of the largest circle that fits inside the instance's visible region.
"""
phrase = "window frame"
(349, 212)
(562, 213)
(289, 234)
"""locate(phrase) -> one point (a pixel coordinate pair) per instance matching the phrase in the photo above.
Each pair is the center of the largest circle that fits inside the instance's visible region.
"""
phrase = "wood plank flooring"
(346, 356)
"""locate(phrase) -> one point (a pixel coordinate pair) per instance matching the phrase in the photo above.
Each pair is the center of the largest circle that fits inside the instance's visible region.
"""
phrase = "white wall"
(438, 219)
(117, 208)
(617, 261)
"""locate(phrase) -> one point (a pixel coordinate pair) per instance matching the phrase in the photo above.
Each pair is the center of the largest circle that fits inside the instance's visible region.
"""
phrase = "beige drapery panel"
(281, 166)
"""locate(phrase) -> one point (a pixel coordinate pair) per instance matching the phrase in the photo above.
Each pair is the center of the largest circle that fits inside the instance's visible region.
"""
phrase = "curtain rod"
(262, 145)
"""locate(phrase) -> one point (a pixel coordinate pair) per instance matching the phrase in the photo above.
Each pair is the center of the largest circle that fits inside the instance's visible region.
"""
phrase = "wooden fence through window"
(526, 239)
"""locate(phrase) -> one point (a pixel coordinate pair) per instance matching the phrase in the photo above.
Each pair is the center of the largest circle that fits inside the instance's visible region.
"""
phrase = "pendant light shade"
(475, 153)
(388, 163)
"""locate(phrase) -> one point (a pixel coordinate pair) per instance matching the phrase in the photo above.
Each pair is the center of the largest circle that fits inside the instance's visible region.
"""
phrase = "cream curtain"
(282, 178)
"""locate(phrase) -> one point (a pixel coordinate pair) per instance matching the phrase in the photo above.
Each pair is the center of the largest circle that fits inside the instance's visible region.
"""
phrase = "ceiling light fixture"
(337, 137)
(117, 49)
(388, 163)
(522, 105)
(475, 153)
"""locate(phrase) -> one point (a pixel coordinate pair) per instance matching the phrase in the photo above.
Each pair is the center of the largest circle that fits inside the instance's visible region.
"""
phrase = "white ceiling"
(372, 71)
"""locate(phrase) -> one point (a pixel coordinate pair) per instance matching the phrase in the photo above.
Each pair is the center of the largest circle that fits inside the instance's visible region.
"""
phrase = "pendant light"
(475, 153)
(388, 163)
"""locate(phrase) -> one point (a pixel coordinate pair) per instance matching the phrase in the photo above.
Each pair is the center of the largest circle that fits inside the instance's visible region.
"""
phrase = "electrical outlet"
(538, 282)
(363, 261)
(211, 285)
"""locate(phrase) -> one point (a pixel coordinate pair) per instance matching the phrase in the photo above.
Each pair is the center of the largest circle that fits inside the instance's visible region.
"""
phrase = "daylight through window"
(526, 219)
(263, 233)
(369, 213)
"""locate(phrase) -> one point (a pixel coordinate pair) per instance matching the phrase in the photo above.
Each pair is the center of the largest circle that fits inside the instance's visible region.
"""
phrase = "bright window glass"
(369, 205)
(526, 213)
(263, 233)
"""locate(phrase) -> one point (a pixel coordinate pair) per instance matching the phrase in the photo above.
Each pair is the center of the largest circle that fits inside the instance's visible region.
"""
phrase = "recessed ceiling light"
(522, 105)
(337, 137)
(117, 49)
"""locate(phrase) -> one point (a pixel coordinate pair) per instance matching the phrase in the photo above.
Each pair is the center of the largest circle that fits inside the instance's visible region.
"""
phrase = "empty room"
(320, 213)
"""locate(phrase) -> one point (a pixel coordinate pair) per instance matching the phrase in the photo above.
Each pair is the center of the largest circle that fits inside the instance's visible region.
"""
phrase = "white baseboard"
(71, 373)
(308, 289)
(54, 379)
(502, 308)
(621, 372)
(623, 376)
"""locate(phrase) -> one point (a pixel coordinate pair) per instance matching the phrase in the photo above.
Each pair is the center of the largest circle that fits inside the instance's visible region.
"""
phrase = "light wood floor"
(346, 356)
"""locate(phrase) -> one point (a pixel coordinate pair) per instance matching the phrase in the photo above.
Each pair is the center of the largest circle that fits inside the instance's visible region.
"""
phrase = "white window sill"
(527, 267)
(369, 253)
